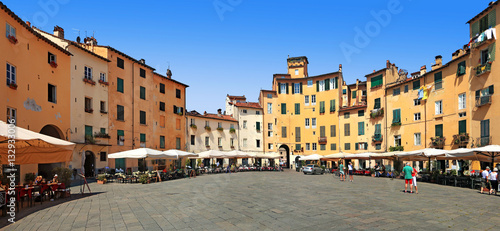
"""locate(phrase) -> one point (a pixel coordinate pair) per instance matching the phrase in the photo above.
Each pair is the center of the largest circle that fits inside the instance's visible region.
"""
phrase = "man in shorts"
(414, 180)
(484, 179)
(341, 171)
(407, 170)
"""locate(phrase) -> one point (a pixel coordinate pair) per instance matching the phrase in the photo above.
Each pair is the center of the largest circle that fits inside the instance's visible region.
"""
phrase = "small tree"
(64, 175)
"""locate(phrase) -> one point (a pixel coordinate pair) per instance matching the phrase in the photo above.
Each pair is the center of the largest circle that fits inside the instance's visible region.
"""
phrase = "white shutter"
(436, 108)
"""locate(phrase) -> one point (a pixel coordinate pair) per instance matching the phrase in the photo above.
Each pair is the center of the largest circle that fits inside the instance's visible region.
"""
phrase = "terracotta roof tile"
(248, 104)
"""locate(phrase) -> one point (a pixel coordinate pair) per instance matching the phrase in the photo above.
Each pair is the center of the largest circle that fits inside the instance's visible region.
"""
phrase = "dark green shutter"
(491, 90)
(317, 86)
(88, 131)
(119, 85)
(120, 133)
(279, 88)
(377, 103)
(286, 88)
(257, 125)
(361, 128)
(327, 84)
(474, 29)
(492, 18)
(143, 137)
(461, 68)
(416, 85)
(332, 105)
(143, 92)
(439, 130)
(377, 81)
(322, 107)
(438, 80)
(378, 129)
(300, 88)
(297, 109)
(485, 128)
(462, 126)
(354, 94)
(283, 108)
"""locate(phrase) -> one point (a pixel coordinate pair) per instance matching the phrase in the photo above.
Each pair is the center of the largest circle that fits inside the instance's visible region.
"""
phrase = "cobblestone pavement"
(270, 201)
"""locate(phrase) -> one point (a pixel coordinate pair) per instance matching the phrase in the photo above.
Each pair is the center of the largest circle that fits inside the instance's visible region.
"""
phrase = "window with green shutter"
(332, 105)
(378, 129)
(162, 141)
(297, 134)
(377, 103)
(356, 146)
(354, 94)
(439, 130)
(317, 86)
(297, 147)
(297, 109)
(103, 130)
(377, 81)
(88, 131)
(142, 137)
(143, 93)
(474, 29)
(120, 133)
(361, 128)
(322, 131)
(283, 108)
(257, 125)
(461, 68)
(396, 116)
(462, 126)
(333, 147)
(333, 130)
(322, 107)
(438, 80)
(178, 143)
(120, 112)
(416, 85)
(119, 85)
(491, 52)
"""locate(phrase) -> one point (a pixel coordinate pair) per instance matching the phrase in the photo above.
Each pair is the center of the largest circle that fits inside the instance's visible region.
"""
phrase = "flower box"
(220, 129)
(396, 124)
(53, 64)
(193, 126)
(89, 110)
(208, 128)
(13, 86)
(103, 82)
(102, 135)
(12, 39)
(89, 81)
(232, 130)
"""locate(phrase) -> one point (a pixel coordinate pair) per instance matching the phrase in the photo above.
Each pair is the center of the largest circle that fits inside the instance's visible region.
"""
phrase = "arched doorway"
(285, 153)
(89, 164)
(52, 130)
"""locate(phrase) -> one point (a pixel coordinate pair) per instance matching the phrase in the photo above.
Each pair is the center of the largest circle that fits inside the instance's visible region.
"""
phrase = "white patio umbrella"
(461, 153)
(138, 153)
(180, 154)
(488, 153)
(238, 154)
(311, 157)
(339, 155)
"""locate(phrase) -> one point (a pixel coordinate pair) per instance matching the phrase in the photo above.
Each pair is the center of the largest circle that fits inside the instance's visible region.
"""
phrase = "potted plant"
(208, 128)
(220, 129)
(12, 39)
(232, 130)
(64, 175)
(372, 172)
(144, 179)
(53, 64)
(29, 178)
(13, 85)
(193, 126)
(101, 179)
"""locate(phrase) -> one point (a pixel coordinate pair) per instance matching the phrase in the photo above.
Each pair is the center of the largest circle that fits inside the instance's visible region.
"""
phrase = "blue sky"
(234, 47)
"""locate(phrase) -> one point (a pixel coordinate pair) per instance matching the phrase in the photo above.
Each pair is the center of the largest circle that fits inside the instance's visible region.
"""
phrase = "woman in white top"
(493, 178)
(351, 172)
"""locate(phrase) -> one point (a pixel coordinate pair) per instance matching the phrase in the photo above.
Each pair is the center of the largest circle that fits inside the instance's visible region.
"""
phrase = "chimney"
(340, 67)
(143, 61)
(169, 73)
(219, 112)
(205, 113)
(58, 32)
(439, 62)
(28, 23)
(387, 64)
(423, 70)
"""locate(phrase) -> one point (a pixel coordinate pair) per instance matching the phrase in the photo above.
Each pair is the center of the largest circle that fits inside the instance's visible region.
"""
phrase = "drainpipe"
(133, 109)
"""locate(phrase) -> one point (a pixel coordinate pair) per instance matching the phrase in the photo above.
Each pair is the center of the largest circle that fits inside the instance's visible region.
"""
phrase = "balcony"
(322, 140)
(483, 68)
(377, 113)
(483, 141)
(89, 139)
(437, 142)
(478, 45)
(483, 100)
(377, 138)
(461, 139)
(88, 80)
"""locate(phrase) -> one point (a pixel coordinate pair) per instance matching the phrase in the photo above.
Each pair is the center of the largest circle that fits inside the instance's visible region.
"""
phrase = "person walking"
(341, 171)
(414, 179)
(351, 172)
(493, 177)
(484, 178)
(407, 170)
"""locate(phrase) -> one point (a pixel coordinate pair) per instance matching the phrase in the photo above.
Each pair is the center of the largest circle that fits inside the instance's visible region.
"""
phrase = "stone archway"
(53, 131)
(284, 151)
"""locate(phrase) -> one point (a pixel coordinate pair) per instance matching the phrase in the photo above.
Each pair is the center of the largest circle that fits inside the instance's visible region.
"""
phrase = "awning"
(34, 148)
(268, 155)
(335, 156)
(211, 154)
(180, 154)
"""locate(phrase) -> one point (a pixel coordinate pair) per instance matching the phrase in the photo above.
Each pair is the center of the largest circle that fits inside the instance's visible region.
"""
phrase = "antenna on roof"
(168, 64)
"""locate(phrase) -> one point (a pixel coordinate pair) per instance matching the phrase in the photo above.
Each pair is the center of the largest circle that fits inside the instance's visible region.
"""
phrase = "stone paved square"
(268, 201)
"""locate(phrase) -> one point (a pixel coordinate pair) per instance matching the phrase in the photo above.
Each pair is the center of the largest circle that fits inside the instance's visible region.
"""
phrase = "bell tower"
(297, 67)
